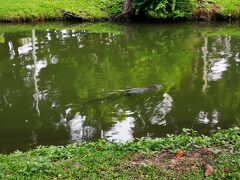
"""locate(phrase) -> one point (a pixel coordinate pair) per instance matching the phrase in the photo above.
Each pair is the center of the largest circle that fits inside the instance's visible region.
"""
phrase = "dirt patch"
(190, 161)
(211, 12)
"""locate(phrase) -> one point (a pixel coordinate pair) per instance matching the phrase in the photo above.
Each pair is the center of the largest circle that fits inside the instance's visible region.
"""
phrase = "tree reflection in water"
(51, 80)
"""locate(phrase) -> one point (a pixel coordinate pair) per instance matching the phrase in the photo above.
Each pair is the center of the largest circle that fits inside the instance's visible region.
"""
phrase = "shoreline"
(143, 158)
(105, 10)
(111, 19)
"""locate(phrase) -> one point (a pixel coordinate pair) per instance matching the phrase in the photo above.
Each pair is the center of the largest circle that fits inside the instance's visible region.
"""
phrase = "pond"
(64, 83)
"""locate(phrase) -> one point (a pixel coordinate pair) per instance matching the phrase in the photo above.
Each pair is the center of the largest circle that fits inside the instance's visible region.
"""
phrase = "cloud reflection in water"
(78, 131)
(122, 131)
(161, 110)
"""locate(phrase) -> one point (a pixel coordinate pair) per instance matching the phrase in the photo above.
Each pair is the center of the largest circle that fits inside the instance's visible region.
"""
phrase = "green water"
(56, 81)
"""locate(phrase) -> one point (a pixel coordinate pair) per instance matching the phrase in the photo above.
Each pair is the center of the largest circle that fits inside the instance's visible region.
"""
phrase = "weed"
(144, 158)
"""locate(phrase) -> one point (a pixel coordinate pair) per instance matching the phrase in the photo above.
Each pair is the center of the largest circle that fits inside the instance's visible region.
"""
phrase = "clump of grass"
(138, 159)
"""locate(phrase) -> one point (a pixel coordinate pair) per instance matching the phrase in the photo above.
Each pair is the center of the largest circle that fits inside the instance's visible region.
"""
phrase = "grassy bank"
(145, 158)
(228, 8)
(14, 10)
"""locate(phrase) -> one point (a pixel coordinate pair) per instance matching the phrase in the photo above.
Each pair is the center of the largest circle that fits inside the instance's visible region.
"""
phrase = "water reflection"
(11, 50)
(216, 56)
(122, 131)
(203, 117)
(78, 131)
(26, 47)
(52, 80)
(161, 110)
(215, 117)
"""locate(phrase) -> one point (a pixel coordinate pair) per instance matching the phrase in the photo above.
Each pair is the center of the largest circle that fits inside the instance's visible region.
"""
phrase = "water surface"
(54, 79)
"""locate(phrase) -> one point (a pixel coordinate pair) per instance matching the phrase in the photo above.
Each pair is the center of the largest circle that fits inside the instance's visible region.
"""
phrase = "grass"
(11, 10)
(15, 10)
(224, 9)
(144, 158)
(228, 8)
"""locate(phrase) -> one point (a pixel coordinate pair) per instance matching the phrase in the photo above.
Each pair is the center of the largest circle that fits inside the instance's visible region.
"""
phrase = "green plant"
(145, 158)
(165, 8)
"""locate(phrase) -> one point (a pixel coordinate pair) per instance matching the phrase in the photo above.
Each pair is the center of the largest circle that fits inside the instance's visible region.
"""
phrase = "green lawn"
(20, 10)
(142, 159)
(51, 9)
(228, 8)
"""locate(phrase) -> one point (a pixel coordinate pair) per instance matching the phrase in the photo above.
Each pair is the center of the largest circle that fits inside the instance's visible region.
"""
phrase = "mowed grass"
(23, 10)
(51, 9)
(228, 8)
(142, 159)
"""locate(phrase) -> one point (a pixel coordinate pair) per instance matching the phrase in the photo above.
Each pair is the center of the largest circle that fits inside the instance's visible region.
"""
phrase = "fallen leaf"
(208, 170)
(179, 153)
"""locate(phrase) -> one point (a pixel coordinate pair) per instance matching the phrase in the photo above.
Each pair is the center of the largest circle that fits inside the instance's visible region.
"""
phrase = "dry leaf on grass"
(179, 153)
(208, 170)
